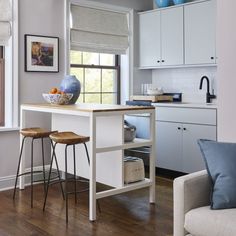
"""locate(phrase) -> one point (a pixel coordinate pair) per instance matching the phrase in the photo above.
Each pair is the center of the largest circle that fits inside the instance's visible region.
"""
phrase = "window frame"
(11, 74)
(2, 87)
(127, 62)
(92, 66)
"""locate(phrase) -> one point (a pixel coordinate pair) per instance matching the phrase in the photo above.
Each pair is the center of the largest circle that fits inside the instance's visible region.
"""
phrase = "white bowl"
(58, 99)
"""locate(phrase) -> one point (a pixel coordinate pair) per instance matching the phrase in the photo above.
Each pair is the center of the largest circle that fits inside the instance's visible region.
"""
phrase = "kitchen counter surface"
(88, 107)
(186, 105)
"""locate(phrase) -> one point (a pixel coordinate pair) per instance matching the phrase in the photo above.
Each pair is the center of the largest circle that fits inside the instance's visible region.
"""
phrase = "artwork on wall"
(41, 53)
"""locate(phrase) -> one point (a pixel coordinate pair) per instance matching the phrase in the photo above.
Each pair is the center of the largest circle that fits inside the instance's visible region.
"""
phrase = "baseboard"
(171, 174)
(8, 182)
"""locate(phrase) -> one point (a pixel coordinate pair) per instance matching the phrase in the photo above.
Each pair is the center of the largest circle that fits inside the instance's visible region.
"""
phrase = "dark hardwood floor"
(123, 215)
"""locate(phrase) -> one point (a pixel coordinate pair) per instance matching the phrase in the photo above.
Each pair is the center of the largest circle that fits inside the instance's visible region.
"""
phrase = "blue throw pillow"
(220, 159)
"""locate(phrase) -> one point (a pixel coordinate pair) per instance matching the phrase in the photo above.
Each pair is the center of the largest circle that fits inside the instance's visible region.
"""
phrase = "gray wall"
(44, 17)
(226, 73)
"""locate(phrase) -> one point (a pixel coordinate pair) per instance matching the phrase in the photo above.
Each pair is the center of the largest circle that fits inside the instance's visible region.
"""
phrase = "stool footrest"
(29, 172)
(69, 180)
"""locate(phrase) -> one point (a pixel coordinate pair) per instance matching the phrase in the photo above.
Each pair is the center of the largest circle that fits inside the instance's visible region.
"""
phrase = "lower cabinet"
(176, 145)
(169, 145)
(192, 158)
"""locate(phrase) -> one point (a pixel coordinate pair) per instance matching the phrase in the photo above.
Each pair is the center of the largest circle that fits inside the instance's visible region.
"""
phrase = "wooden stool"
(67, 138)
(34, 133)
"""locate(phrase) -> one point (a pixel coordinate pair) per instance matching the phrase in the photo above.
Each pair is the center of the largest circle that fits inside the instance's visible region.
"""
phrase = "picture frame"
(41, 53)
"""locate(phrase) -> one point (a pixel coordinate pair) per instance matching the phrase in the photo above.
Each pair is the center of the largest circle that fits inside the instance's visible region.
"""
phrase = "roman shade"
(5, 18)
(96, 30)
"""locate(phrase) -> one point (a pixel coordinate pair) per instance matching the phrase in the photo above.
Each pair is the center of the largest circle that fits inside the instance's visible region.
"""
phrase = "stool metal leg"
(32, 166)
(58, 172)
(86, 149)
(44, 177)
(74, 174)
(49, 176)
(18, 167)
(66, 190)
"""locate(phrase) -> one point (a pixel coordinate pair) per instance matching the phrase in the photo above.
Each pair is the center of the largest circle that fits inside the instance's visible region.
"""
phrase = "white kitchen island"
(104, 124)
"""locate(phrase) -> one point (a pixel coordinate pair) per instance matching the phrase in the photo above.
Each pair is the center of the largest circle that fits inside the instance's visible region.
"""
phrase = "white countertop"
(84, 107)
(186, 105)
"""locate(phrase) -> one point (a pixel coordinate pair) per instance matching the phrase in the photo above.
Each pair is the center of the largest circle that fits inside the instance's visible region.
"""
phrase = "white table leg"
(22, 164)
(92, 181)
(152, 193)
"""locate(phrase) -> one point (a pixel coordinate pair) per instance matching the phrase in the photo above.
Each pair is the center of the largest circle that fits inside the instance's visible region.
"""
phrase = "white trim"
(131, 53)
(7, 129)
(15, 62)
(101, 6)
(67, 35)
(11, 73)
(8, 182)
(176, 66)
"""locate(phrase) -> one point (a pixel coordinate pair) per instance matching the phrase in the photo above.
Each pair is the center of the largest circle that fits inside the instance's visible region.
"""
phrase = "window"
(9, 108)
(2, 88)
(99, 76)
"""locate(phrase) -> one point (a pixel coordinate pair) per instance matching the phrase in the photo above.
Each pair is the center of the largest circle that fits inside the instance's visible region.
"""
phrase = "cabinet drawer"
(186, 115)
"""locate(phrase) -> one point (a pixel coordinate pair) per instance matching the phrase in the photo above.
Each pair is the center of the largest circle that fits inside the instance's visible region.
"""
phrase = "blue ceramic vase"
(70, 84)
(176, 2)
(163, 3)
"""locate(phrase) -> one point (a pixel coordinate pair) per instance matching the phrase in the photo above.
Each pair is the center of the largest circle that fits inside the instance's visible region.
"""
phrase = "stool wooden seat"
(36, 132)
(69, 138)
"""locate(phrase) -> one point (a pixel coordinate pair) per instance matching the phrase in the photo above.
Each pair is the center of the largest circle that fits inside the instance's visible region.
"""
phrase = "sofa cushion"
(220, 159)
(205, 222)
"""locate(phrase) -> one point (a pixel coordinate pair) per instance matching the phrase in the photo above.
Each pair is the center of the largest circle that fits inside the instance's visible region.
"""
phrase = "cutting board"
(152, 98)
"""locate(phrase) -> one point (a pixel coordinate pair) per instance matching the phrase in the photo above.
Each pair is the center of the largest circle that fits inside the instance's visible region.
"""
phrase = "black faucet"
(208, 95)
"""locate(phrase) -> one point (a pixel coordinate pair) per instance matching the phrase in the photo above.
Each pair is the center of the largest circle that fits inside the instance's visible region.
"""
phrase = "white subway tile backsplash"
(186, 81)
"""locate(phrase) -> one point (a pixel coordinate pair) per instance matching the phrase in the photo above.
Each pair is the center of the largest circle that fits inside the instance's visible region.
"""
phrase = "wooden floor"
(122, 215)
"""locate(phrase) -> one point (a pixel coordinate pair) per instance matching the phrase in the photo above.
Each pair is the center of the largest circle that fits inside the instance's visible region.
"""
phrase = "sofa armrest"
(190, 191)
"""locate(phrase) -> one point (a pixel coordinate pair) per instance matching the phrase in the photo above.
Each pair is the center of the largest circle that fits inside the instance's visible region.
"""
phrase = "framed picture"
(41, 53)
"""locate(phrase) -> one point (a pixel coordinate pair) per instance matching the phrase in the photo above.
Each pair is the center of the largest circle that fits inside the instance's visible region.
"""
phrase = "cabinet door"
(200, 24)
(172, 34)
(150, 39)
(192, 158)
(169, 145)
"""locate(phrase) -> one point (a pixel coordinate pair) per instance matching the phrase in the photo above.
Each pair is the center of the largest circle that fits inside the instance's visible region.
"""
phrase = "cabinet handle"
(158, 61)
(162, 60)
(184, 129)
(179, 128)
(212, 58)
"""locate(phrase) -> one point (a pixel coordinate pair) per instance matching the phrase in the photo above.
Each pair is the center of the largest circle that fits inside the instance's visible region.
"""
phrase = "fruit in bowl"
(56, 91)
(55, 96)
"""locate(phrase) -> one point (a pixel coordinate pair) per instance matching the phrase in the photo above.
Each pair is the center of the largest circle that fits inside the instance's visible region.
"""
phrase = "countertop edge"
(186, 105)
(89, 107)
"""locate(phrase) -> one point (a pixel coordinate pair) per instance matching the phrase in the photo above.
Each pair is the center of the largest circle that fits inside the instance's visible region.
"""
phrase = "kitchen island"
(104, 124)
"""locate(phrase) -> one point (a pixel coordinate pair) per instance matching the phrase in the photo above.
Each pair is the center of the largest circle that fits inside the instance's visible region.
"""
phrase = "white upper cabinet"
(179, 35)
(200, 39)
(161, 38)
(150, 39)
(172, 37)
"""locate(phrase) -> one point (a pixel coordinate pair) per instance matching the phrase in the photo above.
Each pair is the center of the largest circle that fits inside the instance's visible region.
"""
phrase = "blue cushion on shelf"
(220, 159)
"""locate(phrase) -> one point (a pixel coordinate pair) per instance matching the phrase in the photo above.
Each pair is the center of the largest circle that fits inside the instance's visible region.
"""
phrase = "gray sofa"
(192, 213)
